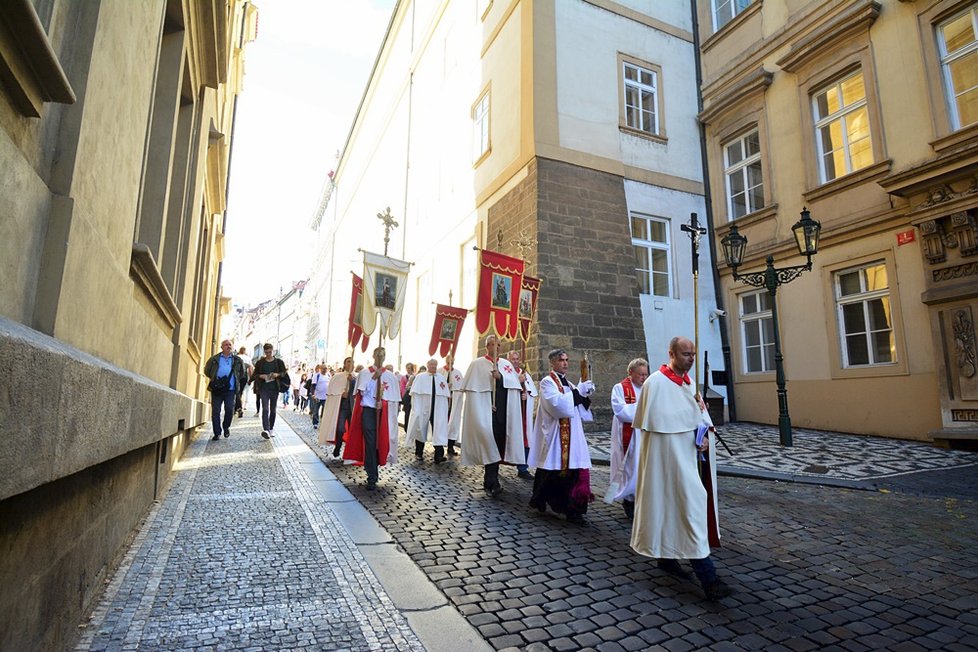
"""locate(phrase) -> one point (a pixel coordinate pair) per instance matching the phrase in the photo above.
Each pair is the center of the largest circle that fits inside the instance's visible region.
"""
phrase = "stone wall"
(589, 298)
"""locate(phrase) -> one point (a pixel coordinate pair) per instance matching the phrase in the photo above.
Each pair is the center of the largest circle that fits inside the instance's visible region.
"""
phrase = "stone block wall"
(589, 301)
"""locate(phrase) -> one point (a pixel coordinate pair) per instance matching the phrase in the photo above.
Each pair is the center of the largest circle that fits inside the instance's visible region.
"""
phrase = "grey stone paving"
(818, 454)
(243, 554)
(814, 567)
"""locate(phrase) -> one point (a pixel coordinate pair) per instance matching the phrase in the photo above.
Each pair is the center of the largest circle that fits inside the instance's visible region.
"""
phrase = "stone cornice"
(732, 25)
(755, 82)
(144, 271)
(29, 69)
(957, 164)
(841, 27)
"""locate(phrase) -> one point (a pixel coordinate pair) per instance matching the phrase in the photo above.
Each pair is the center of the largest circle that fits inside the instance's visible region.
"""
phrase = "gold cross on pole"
(389, 224)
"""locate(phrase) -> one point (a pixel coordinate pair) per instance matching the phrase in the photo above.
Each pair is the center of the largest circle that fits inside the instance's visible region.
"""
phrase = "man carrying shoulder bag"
(226, 374)
(269, 372)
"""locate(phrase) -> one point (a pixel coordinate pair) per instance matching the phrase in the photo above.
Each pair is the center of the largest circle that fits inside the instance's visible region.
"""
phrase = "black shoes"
(217, 438)
(495, 490)
(717, 590)
(264, 433)
(371, 486)
(526, 475)
(576, 519)
(673, 567)
(227, 433)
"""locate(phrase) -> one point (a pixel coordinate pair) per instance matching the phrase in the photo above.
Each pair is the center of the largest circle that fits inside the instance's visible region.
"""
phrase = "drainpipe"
(707, 198)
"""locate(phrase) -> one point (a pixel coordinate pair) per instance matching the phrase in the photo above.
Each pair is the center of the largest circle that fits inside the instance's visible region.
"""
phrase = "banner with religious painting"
(500, 280)
(448, 325)
(529, 289)
(384, 288)
(354, 333)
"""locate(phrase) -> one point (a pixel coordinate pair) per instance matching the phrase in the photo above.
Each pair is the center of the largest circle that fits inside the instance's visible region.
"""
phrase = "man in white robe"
(491, 425)
(559, 449)
(429, 412)
(373, 427)
(624, 461)
(528, 400)
(675, 502)
(337, 412)
(455, 380)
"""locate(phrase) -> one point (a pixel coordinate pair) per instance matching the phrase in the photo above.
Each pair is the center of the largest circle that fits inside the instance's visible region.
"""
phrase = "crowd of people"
(662, 464)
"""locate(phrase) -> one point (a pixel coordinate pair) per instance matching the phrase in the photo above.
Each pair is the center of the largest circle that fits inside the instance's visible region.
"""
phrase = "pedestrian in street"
(338, 408)
(429, 396)
(455, 380)
(528, 396)
(405, 385)
(268, 371)
(320, 382)
(491, 424)
(624, 461)
(249, 368)
(226, 374)
(559, 449)
(303, 392)
(675, 499)
(373, 427)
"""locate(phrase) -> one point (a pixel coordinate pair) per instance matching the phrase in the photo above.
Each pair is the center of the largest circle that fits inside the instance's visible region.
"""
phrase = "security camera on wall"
(716, 312)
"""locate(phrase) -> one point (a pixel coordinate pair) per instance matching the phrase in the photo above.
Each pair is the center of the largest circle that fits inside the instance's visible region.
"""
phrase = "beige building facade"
(569, 124)
(115, 133)
(866, 113)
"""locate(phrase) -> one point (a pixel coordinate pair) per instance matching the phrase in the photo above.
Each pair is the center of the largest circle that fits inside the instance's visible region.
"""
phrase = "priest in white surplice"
(558, 448)
(334, 416)
(528, 399)
(455, 380)
(429, 411)
(675, 501)
(624, 461)
(491, 424)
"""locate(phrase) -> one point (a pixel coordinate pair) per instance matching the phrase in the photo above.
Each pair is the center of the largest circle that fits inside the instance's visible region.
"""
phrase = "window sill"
(870, 371)
(29, 69)
(146, 275)
(965, 137)
(755, 377)
(760, 215)
(731, 25)
(482, 158)
(625, 129)
(871, 173)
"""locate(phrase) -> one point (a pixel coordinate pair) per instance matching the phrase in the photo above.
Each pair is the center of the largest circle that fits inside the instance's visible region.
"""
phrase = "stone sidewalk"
(256, 546)
(818, 457)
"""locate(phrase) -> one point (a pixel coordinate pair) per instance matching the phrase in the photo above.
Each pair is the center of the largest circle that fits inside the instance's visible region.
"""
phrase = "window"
(480, 127)
(742, 169)
(842, 128)
(650, 240)
(959, 62)
(725, 10)
(865, 321)
(757, 331)
(641, 98)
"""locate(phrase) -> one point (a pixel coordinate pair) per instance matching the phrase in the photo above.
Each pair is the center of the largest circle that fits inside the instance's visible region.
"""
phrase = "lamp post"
(734, 244)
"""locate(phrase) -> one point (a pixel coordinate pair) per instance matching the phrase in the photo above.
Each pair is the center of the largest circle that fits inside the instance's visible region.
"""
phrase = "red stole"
(565, 430)
(354, 450)
(626, 428)
(674, 377)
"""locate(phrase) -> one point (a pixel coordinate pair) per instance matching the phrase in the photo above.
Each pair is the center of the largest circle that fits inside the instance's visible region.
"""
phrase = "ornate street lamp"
(734, 244)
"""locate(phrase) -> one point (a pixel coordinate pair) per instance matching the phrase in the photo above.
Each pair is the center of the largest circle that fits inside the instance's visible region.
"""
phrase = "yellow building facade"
(115, 132)
(866, 113)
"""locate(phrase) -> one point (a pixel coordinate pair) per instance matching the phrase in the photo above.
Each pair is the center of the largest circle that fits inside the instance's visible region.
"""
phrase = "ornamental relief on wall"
(955, 232)
(963, 352)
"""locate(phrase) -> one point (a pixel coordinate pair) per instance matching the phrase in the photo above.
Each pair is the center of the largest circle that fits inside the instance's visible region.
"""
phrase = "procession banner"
(500, 281)
(529, 290)
(448, 325)
(384, 288)
(355, 332)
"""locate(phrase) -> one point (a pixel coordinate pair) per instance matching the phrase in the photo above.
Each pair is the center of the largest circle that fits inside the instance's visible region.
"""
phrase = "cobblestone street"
(813, 567)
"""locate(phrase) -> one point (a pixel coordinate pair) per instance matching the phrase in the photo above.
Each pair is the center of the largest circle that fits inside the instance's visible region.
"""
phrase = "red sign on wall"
(906, 237)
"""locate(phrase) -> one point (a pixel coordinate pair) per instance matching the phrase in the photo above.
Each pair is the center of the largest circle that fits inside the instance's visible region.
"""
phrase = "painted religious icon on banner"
(526, 304)
(386, 287)
(358, 310)
(502, 291)
(448, 329)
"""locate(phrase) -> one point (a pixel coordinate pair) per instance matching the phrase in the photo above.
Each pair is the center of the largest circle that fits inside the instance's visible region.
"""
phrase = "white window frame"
(643, 90)
(759, 316)
(950, 93)
(653, 245)
(842, 116)
(740, 168)
(737, 7)
(863, 297)
(481, 127)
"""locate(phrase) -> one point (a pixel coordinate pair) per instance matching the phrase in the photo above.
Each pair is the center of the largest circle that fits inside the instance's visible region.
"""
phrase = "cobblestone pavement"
(817, 455)
(813, 567)
(242, 554)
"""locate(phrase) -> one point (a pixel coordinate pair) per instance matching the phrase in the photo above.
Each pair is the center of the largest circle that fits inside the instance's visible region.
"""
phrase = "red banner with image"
(529, 290)
(500, 283)
(445, 332)
(355, 331)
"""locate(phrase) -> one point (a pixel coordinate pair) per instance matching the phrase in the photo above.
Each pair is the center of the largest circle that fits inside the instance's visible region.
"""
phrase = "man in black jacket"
(226, 374)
